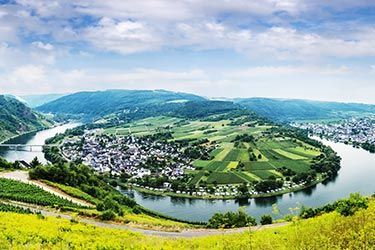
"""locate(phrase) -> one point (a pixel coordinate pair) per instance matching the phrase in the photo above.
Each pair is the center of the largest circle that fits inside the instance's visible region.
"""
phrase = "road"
(190, 233)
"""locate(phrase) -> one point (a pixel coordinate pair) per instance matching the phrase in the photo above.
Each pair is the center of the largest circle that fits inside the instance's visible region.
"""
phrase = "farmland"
(244, 153)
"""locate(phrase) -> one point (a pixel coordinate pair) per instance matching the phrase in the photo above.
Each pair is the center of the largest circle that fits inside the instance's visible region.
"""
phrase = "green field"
(271, 152)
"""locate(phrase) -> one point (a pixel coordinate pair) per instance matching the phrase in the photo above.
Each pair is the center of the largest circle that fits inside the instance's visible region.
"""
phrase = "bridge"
(27, 147)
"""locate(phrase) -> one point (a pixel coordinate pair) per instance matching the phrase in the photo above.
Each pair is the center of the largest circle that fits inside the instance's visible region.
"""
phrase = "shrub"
(231, 220)
(108, 215)
(266, 219)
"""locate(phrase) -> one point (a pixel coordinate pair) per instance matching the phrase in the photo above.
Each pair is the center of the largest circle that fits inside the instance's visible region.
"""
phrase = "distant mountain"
(37, 100)
(287, 110)
(135, 104)
(131, 103)
(16, 118)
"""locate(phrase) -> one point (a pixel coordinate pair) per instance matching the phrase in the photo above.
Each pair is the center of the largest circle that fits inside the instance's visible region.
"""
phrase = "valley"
(161, 124)
(195, 152)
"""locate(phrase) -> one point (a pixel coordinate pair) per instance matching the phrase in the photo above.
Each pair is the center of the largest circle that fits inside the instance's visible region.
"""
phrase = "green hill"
(138, 104)
(16, 118)
(297, 110)
(131, 103)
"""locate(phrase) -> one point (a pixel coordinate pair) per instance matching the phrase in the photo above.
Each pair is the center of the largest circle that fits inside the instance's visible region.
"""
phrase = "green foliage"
(53, 155)
(231, 220)
(204, 108)
(4, 164)
(345, 207)
(266, 219)
(369, 147)
(35, 162)
(351, 205)
(108, 215)
(83, 178)
(72, 191)
(268, 185)
(10, 208)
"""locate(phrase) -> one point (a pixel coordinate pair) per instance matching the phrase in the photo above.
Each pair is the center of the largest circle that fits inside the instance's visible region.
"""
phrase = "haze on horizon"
(274, 48)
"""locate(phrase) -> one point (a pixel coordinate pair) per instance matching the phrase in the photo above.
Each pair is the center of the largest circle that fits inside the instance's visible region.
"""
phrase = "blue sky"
(322, 50)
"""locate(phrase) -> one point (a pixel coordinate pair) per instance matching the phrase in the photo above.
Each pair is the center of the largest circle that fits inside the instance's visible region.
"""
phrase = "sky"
(322, 50)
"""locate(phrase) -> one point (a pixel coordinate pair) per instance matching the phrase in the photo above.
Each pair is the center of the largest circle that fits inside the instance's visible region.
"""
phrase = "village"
(134, 156)
(144, 160)
(354, 131)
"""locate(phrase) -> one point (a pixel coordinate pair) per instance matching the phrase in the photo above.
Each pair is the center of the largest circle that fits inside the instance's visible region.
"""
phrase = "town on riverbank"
(359, 132)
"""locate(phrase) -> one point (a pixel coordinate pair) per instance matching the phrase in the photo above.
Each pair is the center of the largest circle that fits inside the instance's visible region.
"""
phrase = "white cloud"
(126, 26)
(123, 37)
(43, 46)
(24, 78)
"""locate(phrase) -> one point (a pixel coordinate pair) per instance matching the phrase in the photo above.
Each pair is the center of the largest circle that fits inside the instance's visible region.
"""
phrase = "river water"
(35, 138)
(357, 174)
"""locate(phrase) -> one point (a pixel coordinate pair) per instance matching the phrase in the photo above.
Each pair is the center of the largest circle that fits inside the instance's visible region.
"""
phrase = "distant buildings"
(354, 131)
(134, 156)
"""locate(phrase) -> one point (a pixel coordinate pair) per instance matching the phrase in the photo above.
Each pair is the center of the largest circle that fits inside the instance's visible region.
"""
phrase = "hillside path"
(189, 233)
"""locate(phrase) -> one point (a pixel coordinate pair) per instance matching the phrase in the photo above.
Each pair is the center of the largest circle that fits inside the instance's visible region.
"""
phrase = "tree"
(266, 219)
(108, 215)
(349, 206)
(231, 220)
(243, 189)
(35, 162)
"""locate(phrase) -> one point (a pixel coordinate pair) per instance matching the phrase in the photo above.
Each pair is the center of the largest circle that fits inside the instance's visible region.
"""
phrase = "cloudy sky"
(317, 49)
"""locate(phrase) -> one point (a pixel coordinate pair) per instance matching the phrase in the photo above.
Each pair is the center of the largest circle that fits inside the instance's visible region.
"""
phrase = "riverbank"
(22, 134)
(214, 197)
(31, 132)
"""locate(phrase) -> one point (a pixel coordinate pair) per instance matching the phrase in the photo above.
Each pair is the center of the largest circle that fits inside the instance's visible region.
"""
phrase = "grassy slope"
(329, 231)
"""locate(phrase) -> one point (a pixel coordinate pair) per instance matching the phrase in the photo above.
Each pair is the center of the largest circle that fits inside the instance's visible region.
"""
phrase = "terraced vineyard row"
(18, 191)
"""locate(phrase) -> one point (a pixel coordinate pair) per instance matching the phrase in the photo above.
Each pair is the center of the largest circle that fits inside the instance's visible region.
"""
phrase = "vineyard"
(10, 208)
(329, 231)
(18, 191)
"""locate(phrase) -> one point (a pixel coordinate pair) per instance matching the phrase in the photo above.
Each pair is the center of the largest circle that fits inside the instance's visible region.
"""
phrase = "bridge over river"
(26, 147)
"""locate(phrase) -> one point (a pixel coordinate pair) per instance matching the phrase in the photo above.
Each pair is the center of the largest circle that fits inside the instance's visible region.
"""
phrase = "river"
(357, 174)
(35, 138)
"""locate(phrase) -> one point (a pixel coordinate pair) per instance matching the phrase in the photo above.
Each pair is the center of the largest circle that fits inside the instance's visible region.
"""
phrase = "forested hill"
(297, 110)
(17, 118)
(131, 103)
(138, 104)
